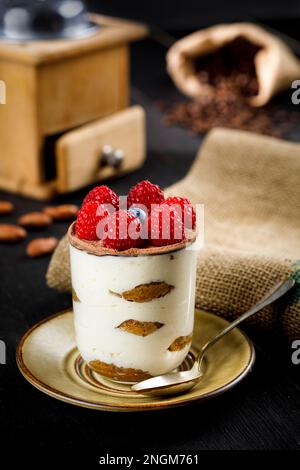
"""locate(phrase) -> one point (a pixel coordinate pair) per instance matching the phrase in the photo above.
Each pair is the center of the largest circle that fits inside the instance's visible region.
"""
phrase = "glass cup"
(133, 313)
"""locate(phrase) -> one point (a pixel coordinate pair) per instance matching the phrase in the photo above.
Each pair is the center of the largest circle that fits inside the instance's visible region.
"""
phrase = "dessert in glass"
(133, 298)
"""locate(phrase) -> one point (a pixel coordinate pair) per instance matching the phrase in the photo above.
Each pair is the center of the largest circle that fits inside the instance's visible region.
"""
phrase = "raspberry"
(165, 226)
(122, 231)
(145, 193)
(188, 212)
(87, 219)
(103, 195)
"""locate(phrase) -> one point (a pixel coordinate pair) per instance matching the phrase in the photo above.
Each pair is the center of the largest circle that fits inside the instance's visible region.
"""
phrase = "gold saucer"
(48, 358)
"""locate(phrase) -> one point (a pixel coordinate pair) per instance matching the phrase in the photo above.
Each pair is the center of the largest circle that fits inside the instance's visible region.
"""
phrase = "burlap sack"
(250, 187)
(276, 65)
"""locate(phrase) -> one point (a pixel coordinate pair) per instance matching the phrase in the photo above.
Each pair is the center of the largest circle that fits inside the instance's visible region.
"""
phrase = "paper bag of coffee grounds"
(267, 61)
(250, 187)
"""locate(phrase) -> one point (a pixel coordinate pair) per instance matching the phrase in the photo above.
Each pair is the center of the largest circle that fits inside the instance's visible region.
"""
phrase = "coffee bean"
(11, 233)
(62, 212)
(35, 220)
(41, 247)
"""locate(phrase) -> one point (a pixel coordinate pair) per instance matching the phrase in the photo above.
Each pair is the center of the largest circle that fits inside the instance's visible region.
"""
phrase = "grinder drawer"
(104, 148)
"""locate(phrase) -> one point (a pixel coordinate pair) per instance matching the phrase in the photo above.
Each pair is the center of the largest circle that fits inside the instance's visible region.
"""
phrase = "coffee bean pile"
(230, 72)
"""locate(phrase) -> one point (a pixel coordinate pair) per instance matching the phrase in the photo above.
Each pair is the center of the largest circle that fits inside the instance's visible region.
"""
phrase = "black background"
(260, 413)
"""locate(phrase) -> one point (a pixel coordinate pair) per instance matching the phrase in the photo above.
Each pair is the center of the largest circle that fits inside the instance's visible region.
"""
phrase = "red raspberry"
(165, 226)
(188, 212)
(103, 195)
(122, 231)
(87, 219)
(145, 193)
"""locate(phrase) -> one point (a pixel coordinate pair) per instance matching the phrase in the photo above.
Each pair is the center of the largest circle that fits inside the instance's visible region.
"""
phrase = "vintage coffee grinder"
(66, 122)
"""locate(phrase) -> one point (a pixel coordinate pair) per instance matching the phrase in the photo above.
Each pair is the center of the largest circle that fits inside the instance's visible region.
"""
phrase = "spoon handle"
(275, 293)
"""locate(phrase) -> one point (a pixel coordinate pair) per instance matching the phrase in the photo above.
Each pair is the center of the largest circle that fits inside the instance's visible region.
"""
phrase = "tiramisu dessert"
(133, 265)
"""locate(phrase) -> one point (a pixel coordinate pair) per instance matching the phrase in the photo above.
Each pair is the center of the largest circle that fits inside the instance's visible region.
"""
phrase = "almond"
(41, 246)
(6, 207)
(62, 212)
(35, 219)
(11, 233)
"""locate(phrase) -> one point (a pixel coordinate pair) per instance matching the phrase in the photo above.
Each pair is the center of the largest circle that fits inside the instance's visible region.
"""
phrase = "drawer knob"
(111, 157)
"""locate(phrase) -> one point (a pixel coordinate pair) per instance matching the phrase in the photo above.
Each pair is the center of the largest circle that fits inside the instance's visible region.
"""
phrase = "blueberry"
(139, 214)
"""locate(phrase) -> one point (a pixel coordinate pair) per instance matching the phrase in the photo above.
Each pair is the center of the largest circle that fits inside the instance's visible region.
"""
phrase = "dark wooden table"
(260, 413)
